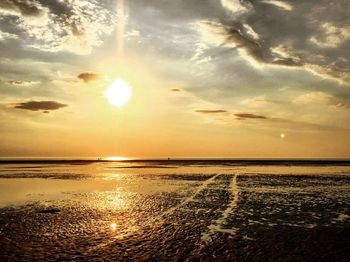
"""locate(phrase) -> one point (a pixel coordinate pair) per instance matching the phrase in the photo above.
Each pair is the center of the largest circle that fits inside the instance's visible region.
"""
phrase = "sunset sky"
(209, 78)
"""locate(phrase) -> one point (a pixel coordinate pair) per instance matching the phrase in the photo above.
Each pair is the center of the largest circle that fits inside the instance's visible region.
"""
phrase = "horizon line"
(130, 159)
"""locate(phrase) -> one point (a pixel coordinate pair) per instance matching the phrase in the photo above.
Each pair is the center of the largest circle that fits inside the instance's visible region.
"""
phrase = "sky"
(209, 78)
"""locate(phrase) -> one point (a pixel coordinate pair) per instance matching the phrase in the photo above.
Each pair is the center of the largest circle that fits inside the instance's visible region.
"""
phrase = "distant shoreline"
(185, 161)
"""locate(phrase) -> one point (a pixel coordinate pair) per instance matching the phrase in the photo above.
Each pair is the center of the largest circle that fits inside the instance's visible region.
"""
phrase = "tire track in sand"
(191, 198)
(170, 211)
(217, 225)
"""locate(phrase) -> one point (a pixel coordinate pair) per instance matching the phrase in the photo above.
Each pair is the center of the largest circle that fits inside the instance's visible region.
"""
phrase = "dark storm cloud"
(244, 116)
(217, 111)
(88, 77)
(44, 106)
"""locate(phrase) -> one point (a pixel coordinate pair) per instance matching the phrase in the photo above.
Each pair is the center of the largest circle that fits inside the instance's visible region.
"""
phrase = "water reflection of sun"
(112, 200)
(115, 158)
(114, 226)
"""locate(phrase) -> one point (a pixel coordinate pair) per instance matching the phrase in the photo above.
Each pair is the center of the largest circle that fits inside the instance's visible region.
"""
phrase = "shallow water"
(174, 210)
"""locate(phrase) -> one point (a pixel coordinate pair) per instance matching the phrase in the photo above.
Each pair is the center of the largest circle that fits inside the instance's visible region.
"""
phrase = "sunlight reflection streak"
(120, 27)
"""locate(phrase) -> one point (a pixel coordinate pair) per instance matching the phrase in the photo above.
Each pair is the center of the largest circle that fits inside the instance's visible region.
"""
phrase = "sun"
(118, 93)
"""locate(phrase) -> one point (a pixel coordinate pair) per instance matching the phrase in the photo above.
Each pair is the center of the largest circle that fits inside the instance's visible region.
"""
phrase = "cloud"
(58, 25)
(244, 116)
(282, 53)
(199, 54)
(332, 35)
(44, 106)
(330, 72)
(237, 7)
(88, 77)
(27, 8)
(250, 32)
(22, 83)
(216, 111)
(6, 36)
(175, 90)
(282, 5)
(275, 122)
(228, 36)
(311, 39)
(258, 101)
(313, 97)
(320, 98)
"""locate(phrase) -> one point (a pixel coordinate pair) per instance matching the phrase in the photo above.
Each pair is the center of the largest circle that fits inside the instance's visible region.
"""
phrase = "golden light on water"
(118, 93)
(115, 158)
(114, 226)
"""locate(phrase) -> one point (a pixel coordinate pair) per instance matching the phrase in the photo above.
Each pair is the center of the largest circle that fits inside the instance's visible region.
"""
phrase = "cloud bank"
(310, 35)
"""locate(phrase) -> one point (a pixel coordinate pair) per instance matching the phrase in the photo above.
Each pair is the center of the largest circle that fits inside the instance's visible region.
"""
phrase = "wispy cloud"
(237, 7)
(22, 83)
(250, 32)
(258, 101)
(320, 98)
(280, 4)
(225, 35)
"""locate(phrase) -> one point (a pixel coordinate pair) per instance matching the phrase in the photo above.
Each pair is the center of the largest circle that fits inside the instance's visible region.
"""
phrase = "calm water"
(181, 210)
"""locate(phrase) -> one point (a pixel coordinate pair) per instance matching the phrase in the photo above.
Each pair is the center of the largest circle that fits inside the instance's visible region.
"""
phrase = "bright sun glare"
(118, 93)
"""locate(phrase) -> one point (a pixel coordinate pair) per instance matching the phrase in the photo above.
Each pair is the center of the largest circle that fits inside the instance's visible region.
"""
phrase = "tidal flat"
(174, 210)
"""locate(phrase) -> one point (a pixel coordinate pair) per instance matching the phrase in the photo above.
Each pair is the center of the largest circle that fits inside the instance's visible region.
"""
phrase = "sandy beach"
(179, 211)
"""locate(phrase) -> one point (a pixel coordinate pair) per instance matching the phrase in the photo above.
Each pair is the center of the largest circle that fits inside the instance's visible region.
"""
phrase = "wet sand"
(187, 212)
